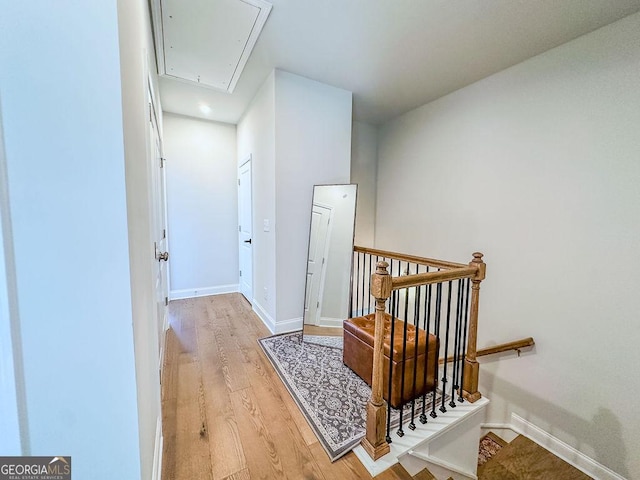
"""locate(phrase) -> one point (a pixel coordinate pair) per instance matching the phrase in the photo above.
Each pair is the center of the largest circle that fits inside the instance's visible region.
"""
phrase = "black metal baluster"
(436, 329)
(357, 286)
(446, 349)
(464, 338)
(416, 326)
(456, 346)
(394, 311)
(353, 266)
(427, 326)
(369, 286)
(400, 431)
(363, 282)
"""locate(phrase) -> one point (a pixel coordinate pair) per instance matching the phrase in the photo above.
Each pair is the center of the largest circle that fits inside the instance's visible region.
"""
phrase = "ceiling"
(395, 55)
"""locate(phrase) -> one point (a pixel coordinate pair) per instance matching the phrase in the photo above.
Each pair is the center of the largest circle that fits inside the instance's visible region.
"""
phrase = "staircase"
(499, 460)
(397, 472)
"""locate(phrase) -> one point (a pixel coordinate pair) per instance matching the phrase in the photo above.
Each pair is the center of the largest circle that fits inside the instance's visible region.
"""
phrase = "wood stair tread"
(525, 459)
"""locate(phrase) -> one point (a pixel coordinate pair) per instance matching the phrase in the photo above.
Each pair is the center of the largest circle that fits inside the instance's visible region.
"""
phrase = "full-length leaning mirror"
(328, 287)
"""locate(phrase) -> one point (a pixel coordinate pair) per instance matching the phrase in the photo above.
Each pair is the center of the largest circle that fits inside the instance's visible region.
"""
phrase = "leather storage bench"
(358, 356)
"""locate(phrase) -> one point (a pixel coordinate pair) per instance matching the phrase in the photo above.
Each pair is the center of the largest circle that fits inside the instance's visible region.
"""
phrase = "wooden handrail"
(432, 262)
(503, 347)
(418, 279)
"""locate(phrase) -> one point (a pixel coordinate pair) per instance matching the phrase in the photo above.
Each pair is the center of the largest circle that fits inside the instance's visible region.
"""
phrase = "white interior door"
(318, 240)
(245, 247)
(159, 228)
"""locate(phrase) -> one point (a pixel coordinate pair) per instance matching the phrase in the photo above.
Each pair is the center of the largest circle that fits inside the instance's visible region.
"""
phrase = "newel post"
(374, 442)
(471, 367)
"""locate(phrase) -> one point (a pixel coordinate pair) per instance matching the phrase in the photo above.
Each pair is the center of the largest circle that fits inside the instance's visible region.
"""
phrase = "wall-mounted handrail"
(516, 345)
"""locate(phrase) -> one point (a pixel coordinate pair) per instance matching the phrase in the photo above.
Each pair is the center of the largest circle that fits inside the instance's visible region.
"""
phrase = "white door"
(318, 242)
(159, 228)
(244, 230)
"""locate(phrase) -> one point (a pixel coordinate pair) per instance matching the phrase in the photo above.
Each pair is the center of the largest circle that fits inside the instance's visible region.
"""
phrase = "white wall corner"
(203, 292)
(562, 450)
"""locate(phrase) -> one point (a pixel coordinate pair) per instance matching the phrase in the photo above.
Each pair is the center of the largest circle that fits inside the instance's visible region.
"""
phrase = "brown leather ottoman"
(358, 356)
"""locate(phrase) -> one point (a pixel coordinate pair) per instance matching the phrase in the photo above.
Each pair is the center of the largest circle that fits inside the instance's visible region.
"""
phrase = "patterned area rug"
(329, 394)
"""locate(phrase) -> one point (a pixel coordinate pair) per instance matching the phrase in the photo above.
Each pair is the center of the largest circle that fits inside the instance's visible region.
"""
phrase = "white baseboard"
(264, 316)
(290, 325)
(274, 327)
(331, 322)
(157, 452)
(556, 446)
(203, 292)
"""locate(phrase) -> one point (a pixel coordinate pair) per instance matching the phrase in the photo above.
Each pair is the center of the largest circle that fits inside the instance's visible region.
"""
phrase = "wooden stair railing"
(381, 286)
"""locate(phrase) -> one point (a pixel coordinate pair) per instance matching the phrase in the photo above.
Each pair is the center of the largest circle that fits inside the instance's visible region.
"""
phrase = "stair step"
(490, 444)
(398, 472)
(523, 458)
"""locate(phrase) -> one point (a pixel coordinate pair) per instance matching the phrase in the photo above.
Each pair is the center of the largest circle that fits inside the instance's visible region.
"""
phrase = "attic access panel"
(207, 42)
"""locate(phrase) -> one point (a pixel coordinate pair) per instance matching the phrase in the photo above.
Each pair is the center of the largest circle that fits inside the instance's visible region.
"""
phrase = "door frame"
(155, 119)
(247, 159)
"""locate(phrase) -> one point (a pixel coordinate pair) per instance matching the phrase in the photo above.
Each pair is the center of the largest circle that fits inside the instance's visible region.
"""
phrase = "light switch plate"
(266, 225)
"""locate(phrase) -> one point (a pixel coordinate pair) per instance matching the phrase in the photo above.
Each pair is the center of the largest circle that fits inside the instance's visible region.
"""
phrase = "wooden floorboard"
(523, 459)
(227, 415)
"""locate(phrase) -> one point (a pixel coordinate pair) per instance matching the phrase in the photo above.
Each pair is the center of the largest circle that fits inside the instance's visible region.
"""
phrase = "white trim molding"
(157, 452)
(291, 325)
(331, 322)
(259, 310)
(203, 292)
(556, 446)
(274, 327)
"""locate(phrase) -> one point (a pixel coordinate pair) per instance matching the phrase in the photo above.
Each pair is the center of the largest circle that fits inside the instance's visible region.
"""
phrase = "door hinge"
(150, 114)
(240, 272)
(162, 160)
(238, 182)
(164, 233)
(166, 301)
(318, 304)
(323, 261)
(239, 228)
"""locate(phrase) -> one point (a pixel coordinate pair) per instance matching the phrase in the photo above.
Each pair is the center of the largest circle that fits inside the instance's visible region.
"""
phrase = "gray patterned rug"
(329, 394)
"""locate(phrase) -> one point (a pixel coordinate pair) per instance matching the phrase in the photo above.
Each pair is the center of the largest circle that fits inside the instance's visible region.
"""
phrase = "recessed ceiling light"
(206, 109)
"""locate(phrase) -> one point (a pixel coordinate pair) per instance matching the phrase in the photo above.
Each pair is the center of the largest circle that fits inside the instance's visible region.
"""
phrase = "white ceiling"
(395, 55)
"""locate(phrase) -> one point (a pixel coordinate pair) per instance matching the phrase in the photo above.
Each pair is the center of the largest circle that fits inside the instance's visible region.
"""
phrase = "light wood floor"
(226, 413)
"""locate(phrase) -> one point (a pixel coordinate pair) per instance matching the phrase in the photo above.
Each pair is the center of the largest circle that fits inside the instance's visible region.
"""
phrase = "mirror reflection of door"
(318, 243)
(328, 282)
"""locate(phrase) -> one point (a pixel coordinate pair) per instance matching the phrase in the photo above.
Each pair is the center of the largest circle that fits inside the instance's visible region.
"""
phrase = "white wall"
(202, 205)
(313, 146)
(62, 118)
(10, 369)
(256, 137)
(537, 167)
(364, 172)
(298, 132)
